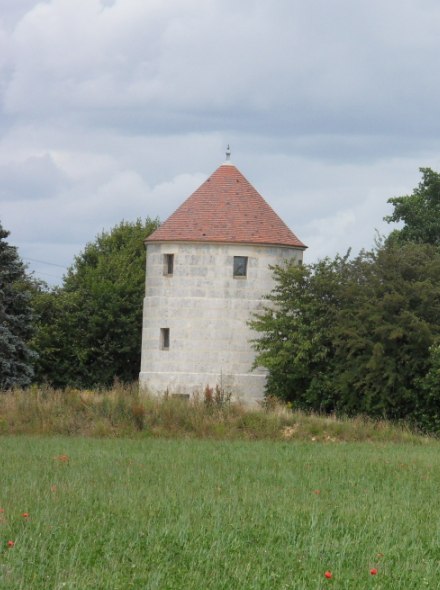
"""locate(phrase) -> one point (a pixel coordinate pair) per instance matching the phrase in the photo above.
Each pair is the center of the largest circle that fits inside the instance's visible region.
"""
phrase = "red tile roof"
(226, 208)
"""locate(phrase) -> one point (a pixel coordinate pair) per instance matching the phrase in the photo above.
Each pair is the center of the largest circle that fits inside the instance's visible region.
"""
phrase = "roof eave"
(148, 241)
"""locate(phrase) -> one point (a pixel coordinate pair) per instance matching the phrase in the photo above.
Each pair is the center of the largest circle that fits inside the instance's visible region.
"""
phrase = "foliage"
(420, 211)
(15, 318)
(55, 338)
(427, 413)
(295, 332)
(354, 336)
(89, 330)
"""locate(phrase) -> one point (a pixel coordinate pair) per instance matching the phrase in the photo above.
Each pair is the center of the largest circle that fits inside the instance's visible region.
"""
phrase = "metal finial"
(228, 153)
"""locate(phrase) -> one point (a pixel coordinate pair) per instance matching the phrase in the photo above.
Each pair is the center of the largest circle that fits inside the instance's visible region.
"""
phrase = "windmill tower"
(207, 271)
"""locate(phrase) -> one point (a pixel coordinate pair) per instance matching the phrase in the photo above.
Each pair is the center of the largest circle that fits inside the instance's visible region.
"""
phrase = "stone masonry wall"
(206, 311)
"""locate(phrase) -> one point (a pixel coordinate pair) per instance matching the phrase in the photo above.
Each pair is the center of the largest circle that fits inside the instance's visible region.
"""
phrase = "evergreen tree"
(15, 318)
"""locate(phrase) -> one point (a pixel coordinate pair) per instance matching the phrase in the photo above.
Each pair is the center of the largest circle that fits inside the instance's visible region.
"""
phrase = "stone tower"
(207, 271)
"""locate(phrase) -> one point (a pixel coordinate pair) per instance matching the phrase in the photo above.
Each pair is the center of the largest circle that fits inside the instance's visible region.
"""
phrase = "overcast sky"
(118, 109)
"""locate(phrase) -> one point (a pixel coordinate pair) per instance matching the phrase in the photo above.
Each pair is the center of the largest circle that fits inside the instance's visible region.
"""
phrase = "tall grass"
(122, 411)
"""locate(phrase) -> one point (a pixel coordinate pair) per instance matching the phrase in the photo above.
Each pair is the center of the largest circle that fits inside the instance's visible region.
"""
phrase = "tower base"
(247, 388)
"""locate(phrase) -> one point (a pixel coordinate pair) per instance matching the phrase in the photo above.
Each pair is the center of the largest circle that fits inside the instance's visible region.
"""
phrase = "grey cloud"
(13, 12)
(283, 67)
(35, 178)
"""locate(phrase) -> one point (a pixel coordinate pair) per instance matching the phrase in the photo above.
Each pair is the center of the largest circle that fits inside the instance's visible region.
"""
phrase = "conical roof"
(226, 208)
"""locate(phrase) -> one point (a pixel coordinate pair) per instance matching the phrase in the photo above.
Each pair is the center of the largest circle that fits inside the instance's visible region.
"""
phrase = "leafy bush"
(354, 336)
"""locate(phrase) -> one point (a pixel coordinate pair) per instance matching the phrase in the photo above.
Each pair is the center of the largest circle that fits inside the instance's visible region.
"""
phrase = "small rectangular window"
(164, 338)
(240, 266)
(168, 264)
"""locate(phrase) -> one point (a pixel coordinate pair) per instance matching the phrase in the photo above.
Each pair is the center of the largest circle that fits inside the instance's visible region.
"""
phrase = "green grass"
(210, 515)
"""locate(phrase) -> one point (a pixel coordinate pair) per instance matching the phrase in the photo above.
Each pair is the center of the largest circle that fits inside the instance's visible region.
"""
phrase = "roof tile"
(226, 208)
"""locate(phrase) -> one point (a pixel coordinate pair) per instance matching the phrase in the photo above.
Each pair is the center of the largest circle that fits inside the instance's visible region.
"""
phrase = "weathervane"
(228, 153)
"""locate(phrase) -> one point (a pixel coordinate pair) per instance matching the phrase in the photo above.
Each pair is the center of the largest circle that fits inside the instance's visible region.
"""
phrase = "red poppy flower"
(373, 571)
(2, 509)
(328, 575)
(25, 515)
(11, 543)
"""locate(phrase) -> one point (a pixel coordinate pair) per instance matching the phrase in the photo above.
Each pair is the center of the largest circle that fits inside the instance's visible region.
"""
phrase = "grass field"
(199, 514)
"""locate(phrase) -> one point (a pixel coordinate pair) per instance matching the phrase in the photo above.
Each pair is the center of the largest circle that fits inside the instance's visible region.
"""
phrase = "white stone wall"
(206, 310)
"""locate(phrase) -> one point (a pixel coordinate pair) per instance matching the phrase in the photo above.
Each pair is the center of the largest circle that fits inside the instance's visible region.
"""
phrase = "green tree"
(385, 330)
(354, 336)
(427, 412)
(295, 332)
(89, 330)
(55, 337)
(15, 318)
(419, 212)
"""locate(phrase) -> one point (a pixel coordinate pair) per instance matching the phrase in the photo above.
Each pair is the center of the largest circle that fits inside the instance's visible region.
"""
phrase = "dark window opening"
(168, 264)
(165, 338)
(240, 266)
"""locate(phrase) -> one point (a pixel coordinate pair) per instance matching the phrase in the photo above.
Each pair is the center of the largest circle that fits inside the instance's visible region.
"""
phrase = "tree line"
(361, 335)
(85, 333)
(346, 334)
